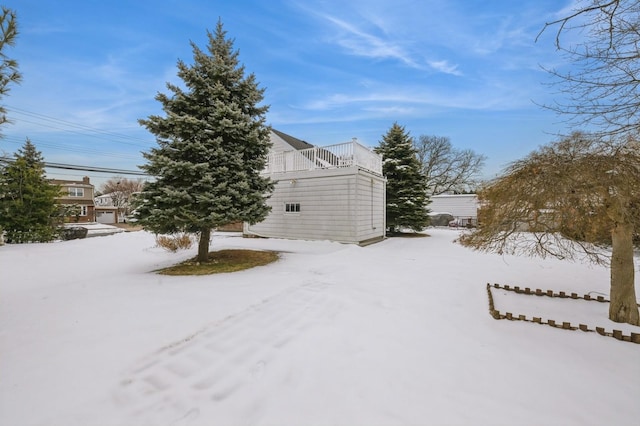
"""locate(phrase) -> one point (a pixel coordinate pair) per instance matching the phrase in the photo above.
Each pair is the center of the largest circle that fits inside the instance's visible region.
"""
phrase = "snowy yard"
(397, 333)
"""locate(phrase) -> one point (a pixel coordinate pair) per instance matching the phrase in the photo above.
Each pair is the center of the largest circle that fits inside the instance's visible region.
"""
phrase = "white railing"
(328, 157)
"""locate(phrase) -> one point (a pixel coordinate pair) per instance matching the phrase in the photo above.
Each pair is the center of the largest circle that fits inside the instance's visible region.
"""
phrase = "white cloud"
(445, 67)
(361, 43)
(376, 37)
(490, 94)
(391, 110)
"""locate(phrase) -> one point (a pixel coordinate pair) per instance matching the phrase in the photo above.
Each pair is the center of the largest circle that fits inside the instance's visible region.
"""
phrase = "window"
(76, 192)
(75, 210)
(292, 207)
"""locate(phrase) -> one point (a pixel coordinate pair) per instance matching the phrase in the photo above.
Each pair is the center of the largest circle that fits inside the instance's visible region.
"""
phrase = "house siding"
(334, 205)
(370, 208)
(463, 206)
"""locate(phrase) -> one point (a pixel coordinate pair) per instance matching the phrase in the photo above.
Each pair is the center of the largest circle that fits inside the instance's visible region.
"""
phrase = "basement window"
(292, 207)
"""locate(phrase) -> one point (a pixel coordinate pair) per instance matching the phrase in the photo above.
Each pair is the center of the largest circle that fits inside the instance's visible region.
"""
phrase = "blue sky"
(332, 70)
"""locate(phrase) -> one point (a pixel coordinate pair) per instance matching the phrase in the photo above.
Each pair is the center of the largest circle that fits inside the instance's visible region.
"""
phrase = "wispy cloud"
(445, 67)
(391, 110)
(418, 99)
(376, 38)
(360, 43)
(46, 29)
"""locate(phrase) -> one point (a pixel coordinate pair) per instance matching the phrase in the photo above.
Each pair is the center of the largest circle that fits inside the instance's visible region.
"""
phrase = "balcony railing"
(328, 157)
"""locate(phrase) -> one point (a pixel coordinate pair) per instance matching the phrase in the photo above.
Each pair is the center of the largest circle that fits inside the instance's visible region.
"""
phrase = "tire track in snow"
(213, 364)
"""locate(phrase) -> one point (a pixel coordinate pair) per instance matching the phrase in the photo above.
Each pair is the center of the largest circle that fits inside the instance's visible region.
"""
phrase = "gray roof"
(294, 142)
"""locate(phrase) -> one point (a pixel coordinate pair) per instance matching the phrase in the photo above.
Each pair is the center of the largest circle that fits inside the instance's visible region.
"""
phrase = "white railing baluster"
(327, 157)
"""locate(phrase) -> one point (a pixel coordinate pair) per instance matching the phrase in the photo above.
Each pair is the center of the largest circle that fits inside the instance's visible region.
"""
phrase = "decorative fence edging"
(496, 314)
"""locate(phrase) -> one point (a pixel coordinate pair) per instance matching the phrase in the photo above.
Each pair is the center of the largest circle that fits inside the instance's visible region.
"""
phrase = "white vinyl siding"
(334, 204)
(370, 207)
(459, 205)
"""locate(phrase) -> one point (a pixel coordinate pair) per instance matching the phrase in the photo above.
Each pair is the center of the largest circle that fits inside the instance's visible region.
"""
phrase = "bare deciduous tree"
(572, 196)
(602, 90)
(447, 169)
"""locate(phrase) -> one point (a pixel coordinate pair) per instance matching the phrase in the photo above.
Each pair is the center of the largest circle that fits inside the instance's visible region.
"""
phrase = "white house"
(332, 193)
(112, 207)
(463, 207)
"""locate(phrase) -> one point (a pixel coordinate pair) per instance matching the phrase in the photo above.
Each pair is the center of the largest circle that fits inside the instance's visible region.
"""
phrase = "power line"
(55, 123)
(74, 149)
(83, 168)
(94, 169)
(78, 175)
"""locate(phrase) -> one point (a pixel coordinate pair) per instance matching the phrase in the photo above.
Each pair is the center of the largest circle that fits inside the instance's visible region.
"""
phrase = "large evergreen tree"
(406, 185)
(212, 146)
(27, 200)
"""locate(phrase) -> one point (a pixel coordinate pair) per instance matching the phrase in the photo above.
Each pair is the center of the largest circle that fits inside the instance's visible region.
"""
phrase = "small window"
(83, 210)
(292, 207)
(76, 192)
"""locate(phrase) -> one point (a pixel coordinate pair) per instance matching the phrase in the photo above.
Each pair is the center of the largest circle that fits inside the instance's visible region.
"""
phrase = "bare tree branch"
(447, 169)
(602, 89)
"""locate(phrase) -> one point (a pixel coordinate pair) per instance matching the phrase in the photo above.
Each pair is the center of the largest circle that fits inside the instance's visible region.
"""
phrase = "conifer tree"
(9, 72)
(406, 185)
(212, 146)
(28, 209)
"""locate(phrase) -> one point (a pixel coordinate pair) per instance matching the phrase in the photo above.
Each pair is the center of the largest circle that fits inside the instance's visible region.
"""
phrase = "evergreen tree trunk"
(623, 306)
(203, 244)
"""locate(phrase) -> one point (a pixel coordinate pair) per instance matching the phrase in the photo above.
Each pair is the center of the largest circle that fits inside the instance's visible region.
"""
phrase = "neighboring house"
(106, 210)
(332, 193)
(114, 207)
(463, 207)
(77, 200)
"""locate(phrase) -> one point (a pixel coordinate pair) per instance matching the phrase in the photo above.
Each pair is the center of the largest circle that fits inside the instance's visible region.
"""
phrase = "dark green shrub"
(38, 235)
(73, 233)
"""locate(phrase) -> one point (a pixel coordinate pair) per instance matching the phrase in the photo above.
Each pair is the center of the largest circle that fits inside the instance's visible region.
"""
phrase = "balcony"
(328, 157)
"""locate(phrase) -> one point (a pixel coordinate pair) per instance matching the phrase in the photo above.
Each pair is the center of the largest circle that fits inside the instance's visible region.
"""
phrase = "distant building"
(76, 200)
(463, 208)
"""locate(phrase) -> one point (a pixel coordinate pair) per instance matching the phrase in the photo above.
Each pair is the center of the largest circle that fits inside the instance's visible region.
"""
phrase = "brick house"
(77, 198)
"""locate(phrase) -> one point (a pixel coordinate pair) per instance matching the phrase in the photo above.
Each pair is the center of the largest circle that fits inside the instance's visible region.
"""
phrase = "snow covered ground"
(397, 333)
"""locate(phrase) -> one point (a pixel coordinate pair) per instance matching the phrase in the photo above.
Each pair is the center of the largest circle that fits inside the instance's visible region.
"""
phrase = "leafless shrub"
(173, 243)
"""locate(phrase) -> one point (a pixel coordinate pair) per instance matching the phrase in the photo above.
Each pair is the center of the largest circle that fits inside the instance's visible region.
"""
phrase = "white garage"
(106, 216)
